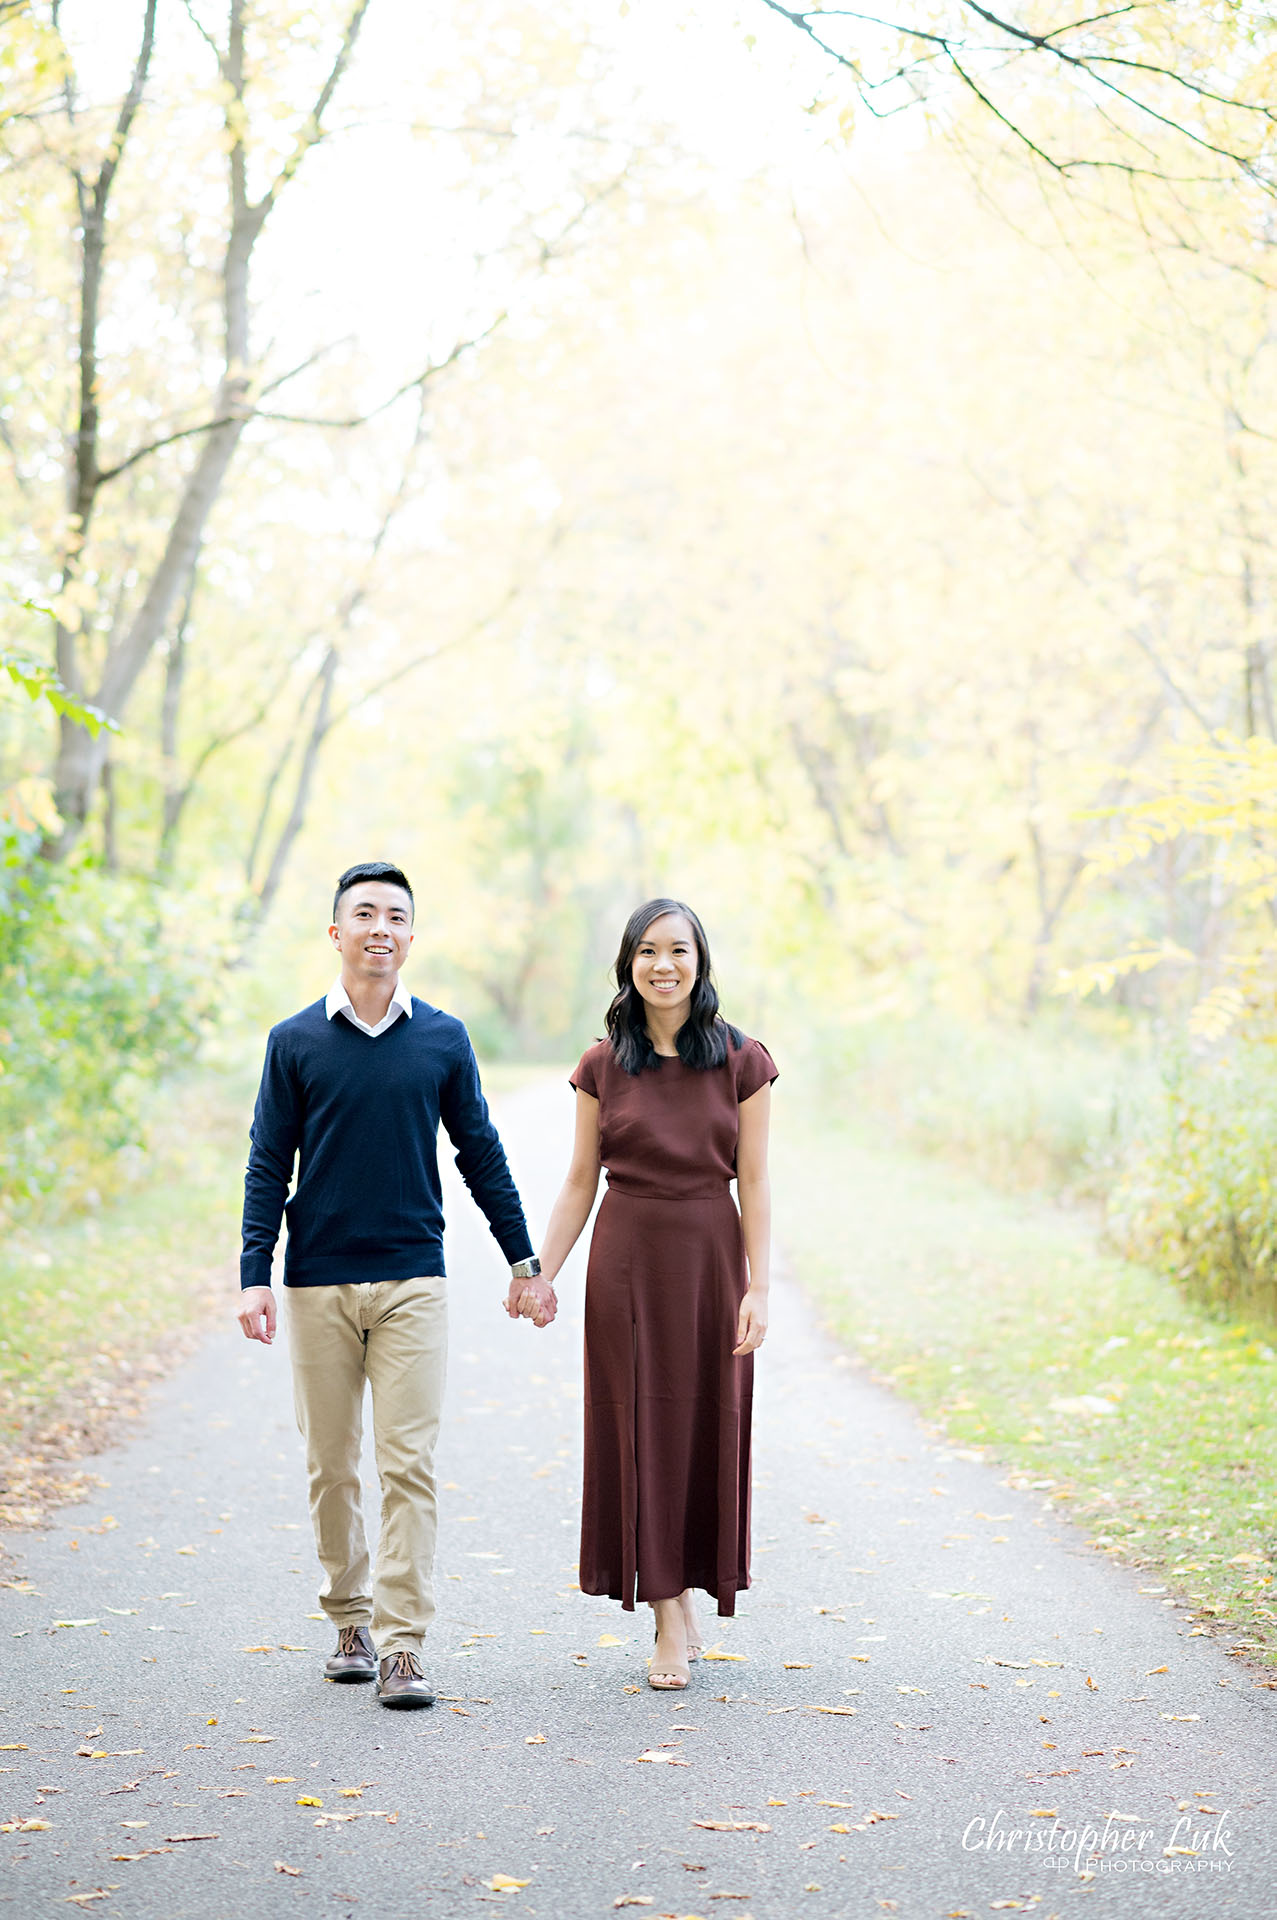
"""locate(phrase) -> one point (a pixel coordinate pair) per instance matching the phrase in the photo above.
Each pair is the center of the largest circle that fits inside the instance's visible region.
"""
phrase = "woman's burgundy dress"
(667, 1408)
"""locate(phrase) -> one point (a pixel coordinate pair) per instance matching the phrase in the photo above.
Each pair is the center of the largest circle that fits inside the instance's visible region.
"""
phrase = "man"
(354, 1088)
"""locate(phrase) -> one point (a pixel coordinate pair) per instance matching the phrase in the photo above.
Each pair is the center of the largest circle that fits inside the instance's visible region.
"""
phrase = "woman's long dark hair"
(703, 1037)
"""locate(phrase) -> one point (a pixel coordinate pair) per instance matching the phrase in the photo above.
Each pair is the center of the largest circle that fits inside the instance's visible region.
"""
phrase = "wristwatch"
(526, 1269)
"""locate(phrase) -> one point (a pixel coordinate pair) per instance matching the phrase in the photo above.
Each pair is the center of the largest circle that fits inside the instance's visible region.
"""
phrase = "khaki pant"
(392, 1334)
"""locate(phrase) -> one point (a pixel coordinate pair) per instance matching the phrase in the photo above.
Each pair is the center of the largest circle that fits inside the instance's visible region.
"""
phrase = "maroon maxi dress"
(667, 1408)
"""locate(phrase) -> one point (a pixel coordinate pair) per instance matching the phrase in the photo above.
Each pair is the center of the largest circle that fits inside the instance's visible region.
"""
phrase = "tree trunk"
(259, 907)
(81, 756)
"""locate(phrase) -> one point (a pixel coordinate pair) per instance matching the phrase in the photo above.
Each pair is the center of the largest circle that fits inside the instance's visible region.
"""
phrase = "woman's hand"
(532, 1300)
(751, 1321)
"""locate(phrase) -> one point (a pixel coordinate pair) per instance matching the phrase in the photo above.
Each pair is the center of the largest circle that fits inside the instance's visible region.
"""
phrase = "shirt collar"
(337, 1000)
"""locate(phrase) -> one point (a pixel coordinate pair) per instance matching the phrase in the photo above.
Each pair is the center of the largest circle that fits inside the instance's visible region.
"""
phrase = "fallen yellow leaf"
(308, 1800)
(719, 1653)
(732, 1826)
(281, 1780)
(534, 1739)
(504, 1883)
(797, 1666)
(281, 1868)
(611, 1640)
(1149, 1670)
(1044, 1813)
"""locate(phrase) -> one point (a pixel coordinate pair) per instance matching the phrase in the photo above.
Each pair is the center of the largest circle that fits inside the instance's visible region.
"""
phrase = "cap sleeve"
(755, 1069)
(584, 1078)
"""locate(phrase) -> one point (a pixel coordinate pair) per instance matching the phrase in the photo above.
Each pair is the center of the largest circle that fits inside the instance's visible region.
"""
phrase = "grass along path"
(94, 1308)
(1005, 1322)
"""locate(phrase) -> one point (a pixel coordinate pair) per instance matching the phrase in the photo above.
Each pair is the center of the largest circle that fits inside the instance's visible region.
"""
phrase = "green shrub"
(105, 983)
(1195, 1197)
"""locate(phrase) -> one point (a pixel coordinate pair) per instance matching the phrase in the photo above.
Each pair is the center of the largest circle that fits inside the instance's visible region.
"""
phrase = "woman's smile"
(664, 966)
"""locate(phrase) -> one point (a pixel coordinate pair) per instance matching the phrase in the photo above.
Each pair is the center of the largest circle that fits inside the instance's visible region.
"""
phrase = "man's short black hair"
(371, 870)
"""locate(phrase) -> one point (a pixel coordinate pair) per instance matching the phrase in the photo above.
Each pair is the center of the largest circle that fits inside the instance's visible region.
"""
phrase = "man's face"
(373, 929)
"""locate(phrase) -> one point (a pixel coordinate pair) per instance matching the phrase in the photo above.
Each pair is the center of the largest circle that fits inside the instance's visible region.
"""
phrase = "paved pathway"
(929, 1661)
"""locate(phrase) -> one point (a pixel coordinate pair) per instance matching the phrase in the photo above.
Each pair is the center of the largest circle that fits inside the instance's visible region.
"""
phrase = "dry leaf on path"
(281, 1867)
(176, 1839)
(718, 1652)
(670, 1759)
(733, 1826)
(505, 1883)
(634, 1900)
(1149, 1670)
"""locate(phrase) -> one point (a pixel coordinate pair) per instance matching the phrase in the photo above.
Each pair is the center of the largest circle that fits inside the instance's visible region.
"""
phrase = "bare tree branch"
(312, 130)
(956, 53)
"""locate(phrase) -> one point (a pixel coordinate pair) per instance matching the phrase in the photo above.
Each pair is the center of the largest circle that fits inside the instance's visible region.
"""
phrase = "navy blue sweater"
(361, 1117)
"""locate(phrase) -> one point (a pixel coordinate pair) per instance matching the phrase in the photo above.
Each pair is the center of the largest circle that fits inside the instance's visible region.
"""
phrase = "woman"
(674, 1102)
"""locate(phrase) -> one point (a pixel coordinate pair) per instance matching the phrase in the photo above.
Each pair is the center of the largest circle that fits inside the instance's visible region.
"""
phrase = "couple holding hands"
(674, 1104)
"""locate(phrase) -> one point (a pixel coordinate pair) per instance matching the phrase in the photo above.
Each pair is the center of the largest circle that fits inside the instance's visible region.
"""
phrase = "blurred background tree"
(619, 452)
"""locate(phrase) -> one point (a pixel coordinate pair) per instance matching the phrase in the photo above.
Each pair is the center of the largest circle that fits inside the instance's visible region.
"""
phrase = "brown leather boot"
(402, 1682)
(355, 1658)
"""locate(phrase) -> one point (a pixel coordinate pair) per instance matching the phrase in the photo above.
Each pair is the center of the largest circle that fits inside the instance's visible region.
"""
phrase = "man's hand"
(531, 1300)
(256, 1314)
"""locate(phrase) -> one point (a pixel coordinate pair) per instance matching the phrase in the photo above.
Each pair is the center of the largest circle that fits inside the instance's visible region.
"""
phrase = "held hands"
(751, 1322)
(531, 1300)
(256, 1314)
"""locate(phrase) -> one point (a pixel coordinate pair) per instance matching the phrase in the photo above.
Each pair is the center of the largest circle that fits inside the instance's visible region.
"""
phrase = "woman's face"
(664, 966)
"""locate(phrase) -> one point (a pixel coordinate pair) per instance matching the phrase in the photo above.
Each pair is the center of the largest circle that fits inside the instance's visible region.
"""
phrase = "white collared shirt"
(337, 1000)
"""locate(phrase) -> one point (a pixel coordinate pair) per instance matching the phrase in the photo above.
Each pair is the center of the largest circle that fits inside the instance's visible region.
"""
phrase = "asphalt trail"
(929, 1659)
